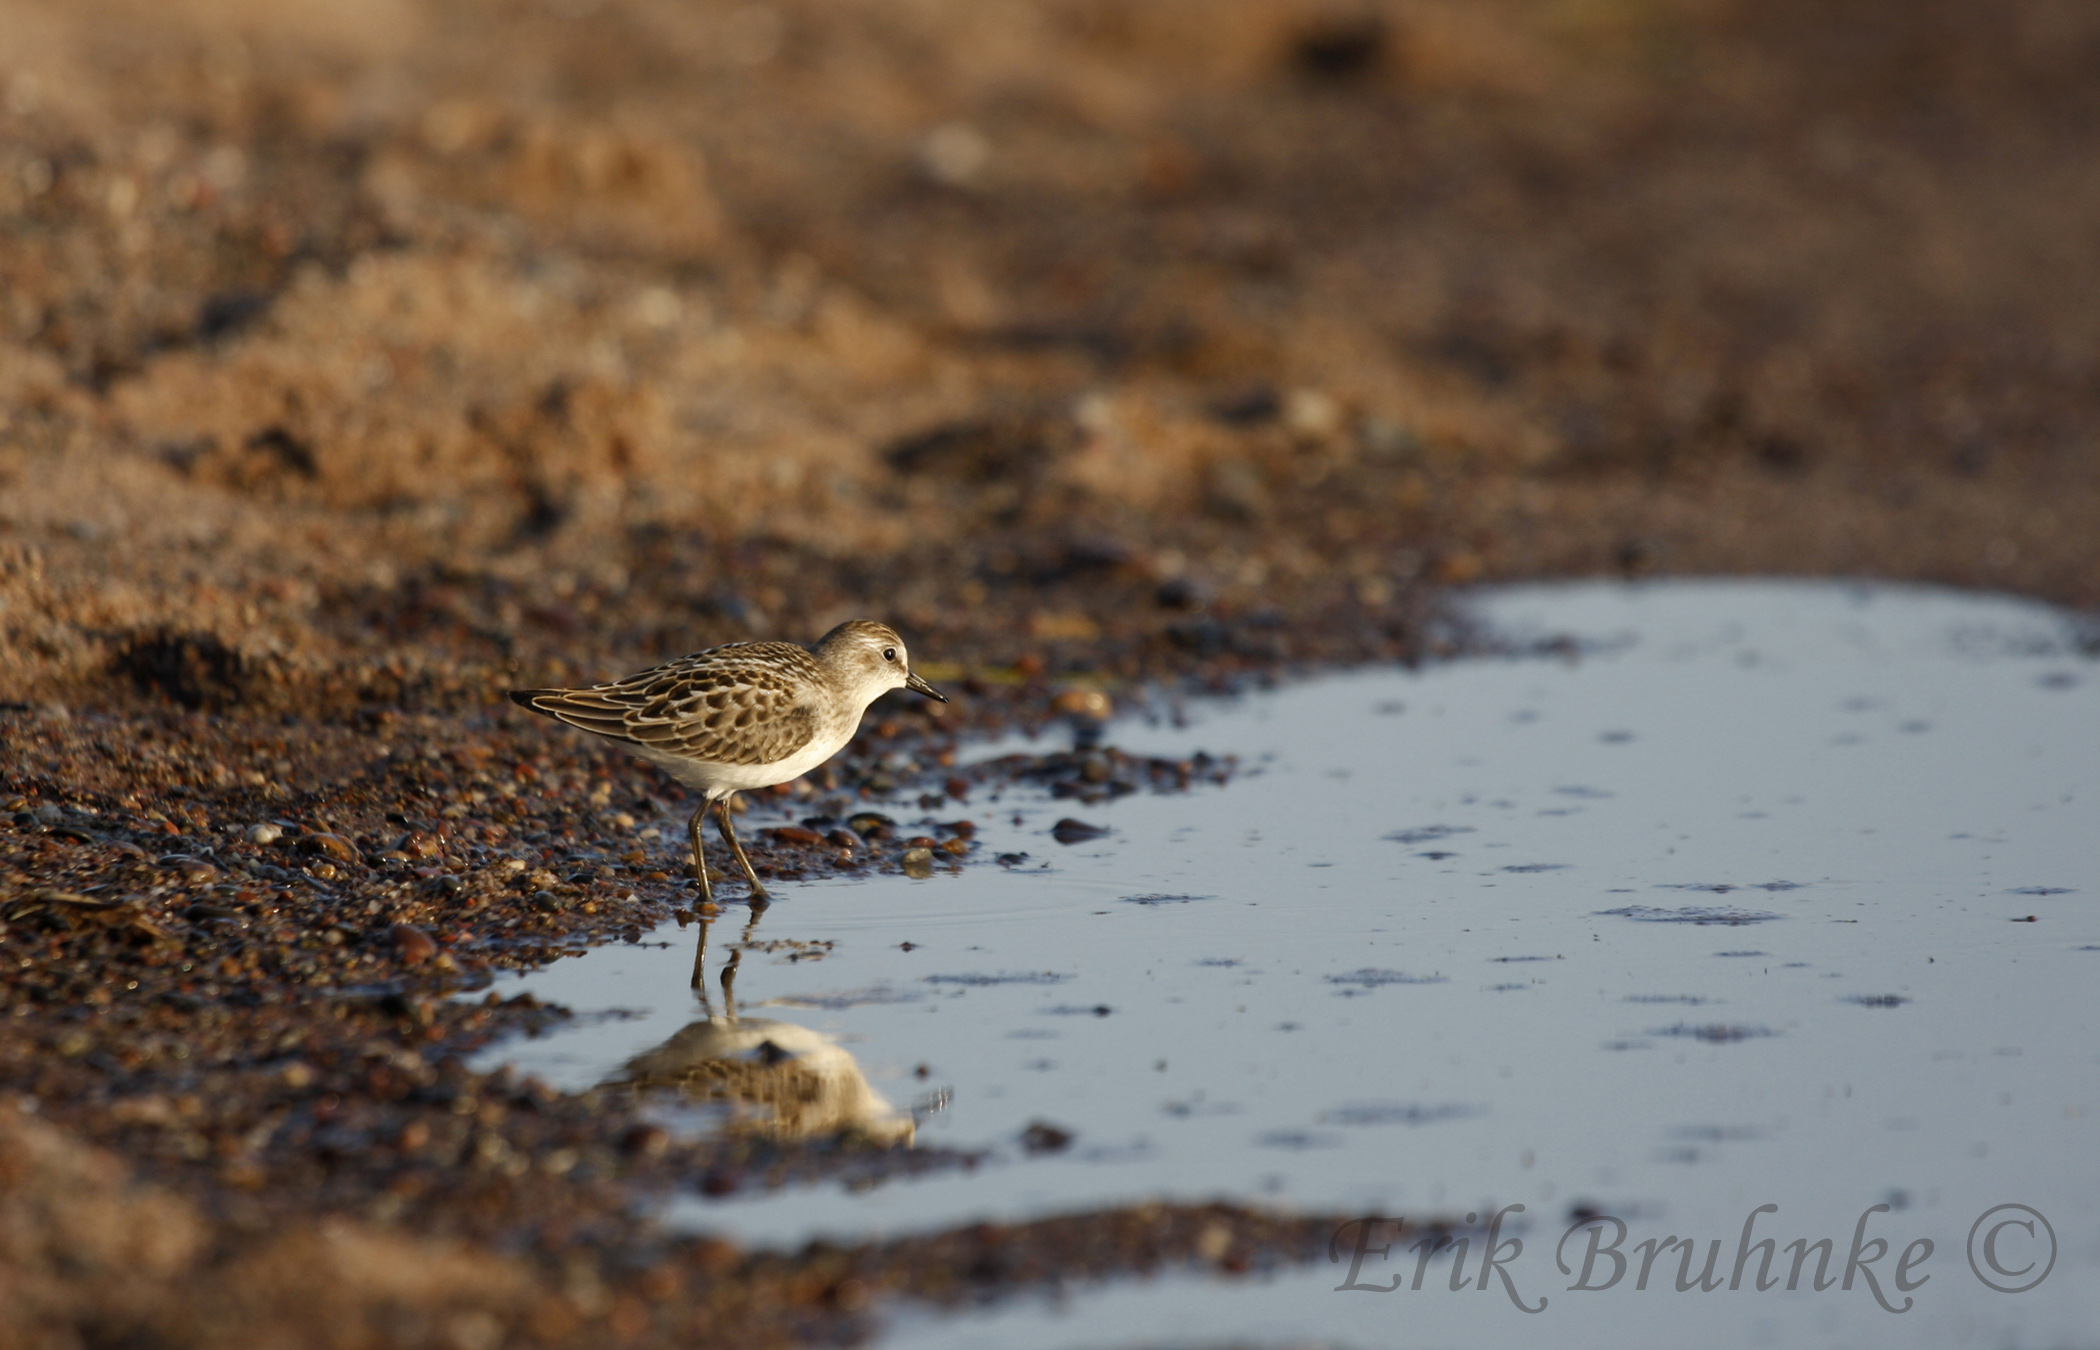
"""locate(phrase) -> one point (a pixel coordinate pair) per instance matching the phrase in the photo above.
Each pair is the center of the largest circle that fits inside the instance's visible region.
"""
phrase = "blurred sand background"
(386, 344)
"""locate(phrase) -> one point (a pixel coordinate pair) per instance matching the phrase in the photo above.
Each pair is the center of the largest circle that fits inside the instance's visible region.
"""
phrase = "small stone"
(1091, 704)
(1070, 831)
(421, 845)
(845, 839)
(956, 847)
(1180, 593)
(264, 834)
(796, 835)
(546, 902)
(918, 862)
(921, 841)
(957, 788)
(325, 870)
(413, 944)
(195, 871)
(329, 845)
(645, 1141)
(871, 825)
(1043, 1137)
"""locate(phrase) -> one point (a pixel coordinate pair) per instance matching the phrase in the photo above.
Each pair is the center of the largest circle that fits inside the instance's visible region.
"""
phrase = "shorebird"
(741, 716)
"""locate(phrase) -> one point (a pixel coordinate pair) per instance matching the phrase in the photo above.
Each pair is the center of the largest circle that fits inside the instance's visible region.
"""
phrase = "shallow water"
(1730, 911)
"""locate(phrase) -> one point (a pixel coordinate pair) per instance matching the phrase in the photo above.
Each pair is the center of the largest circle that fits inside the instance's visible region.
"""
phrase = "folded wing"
(742, 704)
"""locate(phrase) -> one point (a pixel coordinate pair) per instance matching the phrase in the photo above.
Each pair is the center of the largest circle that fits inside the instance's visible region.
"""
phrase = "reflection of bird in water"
(779, 1079)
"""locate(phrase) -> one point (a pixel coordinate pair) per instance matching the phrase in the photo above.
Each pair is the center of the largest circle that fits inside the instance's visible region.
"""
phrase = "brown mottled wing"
(745, 703)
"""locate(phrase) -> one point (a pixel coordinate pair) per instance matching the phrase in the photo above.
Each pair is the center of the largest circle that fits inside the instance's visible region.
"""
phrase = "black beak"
(919, 686)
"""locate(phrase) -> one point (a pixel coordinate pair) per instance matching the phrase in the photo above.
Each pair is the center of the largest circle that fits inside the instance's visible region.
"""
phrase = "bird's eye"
(889, 653)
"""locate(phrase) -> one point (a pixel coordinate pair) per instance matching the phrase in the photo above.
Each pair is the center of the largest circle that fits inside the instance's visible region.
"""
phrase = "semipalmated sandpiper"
(742, 716)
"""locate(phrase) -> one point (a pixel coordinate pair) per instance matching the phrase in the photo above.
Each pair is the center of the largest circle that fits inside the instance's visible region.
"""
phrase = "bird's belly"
(718, 779)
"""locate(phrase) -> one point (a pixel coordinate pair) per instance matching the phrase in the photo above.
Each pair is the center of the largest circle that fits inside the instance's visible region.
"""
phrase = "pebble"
(331, 845)
(1181, 593)
(1088, 703)
(264, 834)
(414, 945)
(195, 871)
(795, 834)
(645, 1141)
(1043, 1137)
(871, 824)
(1070, 831)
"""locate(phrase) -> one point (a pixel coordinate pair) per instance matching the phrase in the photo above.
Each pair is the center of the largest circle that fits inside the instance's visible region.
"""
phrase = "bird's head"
(873, 656)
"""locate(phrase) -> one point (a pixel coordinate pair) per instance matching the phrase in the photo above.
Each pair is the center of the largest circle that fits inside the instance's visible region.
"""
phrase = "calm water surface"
(1779, 894)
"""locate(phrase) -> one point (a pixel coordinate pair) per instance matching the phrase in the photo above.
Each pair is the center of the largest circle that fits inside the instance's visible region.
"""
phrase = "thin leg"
(729, 983)
(707, 892)
(700, 966)
(736, 956)
(758, 892)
